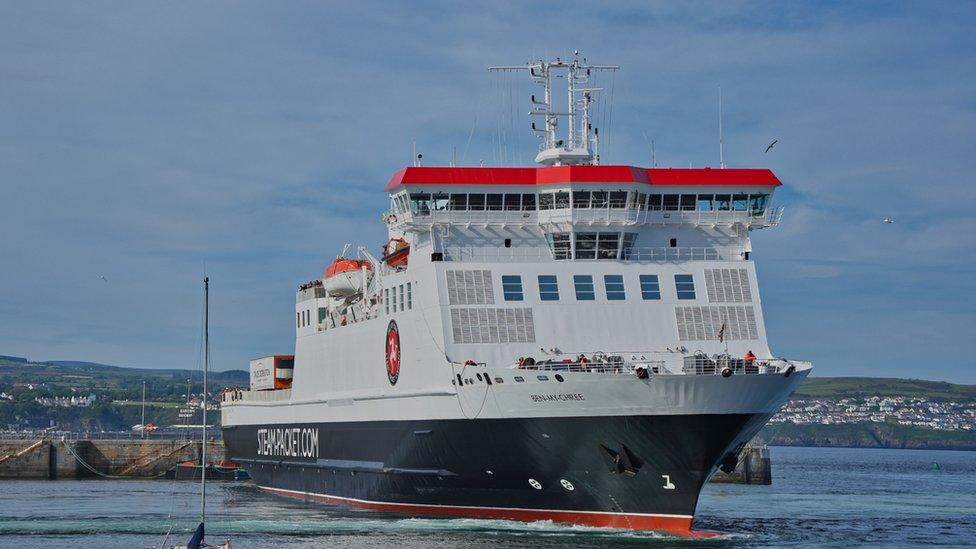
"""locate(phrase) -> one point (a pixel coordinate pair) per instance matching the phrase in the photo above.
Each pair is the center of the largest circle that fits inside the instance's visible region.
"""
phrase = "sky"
(143, 144)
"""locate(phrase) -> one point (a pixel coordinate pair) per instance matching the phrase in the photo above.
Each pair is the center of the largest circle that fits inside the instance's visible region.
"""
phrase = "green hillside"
(840, 387)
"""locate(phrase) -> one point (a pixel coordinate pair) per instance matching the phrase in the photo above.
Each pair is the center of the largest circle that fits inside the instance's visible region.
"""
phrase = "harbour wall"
(135, 458)
(753, 468)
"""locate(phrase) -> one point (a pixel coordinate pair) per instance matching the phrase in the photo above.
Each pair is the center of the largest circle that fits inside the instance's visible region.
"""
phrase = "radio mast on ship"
(578, 147)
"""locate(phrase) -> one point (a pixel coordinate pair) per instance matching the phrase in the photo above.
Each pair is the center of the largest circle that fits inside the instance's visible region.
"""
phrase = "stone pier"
(753, 468)
(126, 458)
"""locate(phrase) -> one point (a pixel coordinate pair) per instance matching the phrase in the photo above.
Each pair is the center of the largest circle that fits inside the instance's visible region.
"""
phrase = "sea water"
(819, 496)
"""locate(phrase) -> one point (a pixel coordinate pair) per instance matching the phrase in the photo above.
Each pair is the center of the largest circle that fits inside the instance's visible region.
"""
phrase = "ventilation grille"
(471, 325)
(728, 286)
(469, 288)
(704, 323)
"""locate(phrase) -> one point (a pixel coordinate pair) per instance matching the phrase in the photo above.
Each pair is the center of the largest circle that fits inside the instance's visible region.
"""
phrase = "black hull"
(643, 472)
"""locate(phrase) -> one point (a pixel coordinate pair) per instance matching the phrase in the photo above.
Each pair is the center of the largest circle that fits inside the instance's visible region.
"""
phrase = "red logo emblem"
(392, 352)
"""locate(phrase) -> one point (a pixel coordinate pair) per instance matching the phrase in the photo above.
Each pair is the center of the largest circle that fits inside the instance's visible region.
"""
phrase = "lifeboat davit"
(344, 277)
(397, 252)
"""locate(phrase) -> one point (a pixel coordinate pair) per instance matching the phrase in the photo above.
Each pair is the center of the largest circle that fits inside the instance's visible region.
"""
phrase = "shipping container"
(272, 372)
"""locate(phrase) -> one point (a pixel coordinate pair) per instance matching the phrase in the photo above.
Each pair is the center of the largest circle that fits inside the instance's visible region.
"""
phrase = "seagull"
(775, 141)
(889, 220)
(103, 278)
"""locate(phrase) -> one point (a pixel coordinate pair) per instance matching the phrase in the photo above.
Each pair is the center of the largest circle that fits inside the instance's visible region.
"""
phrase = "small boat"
(223, 470)
(347, 277)
(397, 252)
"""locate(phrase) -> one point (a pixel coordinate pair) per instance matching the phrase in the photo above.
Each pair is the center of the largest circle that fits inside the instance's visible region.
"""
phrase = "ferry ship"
(573, 342)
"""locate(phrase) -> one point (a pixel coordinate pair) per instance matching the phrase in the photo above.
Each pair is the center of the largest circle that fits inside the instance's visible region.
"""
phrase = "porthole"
(535, 484)
(479, 376)
(559, 378)
(567, 484)
(542, 378)
(499, 380)
(519, 379)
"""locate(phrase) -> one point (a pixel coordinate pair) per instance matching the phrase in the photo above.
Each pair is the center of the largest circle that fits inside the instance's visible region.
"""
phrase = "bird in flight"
(775, 141)
(889, 220)
(103, 278)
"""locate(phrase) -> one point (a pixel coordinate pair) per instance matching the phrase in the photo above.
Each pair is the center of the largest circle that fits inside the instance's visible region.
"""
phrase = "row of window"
(398, 298)
(424, 203)
(601, 245)
(586, 290)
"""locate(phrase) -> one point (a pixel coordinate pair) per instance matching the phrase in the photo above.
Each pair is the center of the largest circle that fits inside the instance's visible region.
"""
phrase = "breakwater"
(125, 458)
(753, 468)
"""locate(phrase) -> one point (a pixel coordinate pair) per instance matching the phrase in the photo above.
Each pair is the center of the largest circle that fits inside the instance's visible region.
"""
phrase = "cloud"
(144, 141)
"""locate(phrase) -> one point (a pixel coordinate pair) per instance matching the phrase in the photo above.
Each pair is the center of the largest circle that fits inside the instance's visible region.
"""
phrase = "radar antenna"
(579, 147)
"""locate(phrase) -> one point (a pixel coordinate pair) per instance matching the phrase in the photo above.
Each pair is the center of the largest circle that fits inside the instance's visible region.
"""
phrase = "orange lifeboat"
(397, 252)
(344, 277)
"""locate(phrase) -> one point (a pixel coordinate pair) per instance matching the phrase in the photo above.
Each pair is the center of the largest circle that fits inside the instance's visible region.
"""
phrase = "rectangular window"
(599, 199)
(494, 202)
(528, 202)
(548, 288)
(386, 299)
(322, 315)
(401, 297)
(618, 199)
(409, 297)
(559, 245)
(420, 203)
(476, 202)
(757, 203)
(581, 199)
(513, 202)
(723, 202)
(608, 245)
(562, 200)
(545, 201)
(685, 285)
(298, 320)
(585, 245)
(740, 202)
(654, 202)
(636, 201)
(671, 202)
(584, 287)
(650, 288)
(615, 287)
(705, 202)
(459, 202)
(512, 287)
(440, 201)
(688, 202)
(393, 307)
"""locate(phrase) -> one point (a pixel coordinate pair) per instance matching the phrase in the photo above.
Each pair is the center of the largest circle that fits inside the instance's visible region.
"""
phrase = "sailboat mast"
(206, 364)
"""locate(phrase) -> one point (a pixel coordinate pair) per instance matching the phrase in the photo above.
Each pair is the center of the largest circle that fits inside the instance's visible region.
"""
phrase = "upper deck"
(582, 195)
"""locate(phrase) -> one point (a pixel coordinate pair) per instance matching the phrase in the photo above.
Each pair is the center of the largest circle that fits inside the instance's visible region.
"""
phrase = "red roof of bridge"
(583, 174)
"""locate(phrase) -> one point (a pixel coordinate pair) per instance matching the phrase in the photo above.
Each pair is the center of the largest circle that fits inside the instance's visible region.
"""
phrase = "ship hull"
(637, 472)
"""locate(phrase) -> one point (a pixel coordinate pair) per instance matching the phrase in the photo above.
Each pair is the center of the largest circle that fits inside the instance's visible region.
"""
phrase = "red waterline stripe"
(672, 524)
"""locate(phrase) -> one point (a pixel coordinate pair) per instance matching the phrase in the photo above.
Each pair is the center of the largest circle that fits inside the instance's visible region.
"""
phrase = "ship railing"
(612, 364)
(612, 214)
(231, 396)
(700, 364)
(487, 254)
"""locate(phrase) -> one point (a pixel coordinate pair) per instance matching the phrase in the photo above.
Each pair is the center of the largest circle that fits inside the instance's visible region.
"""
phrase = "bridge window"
(599, 199)
(545, 201)
(512, 287)
(581, 199)
(439, 201)
(705, 202)
(688, 202)
(723, 202)
(618, 199)
(654, 202)
(459, 202)
(740, 202)
(548, 288)
(615, 287)
(650, 288)
(513, 202)
(685, 285)
(671, 202)
(322, 314)
(494, 202)
(476, 202)
(528, 202)
(420, 203)
(636, 201)
(584, 287)
(757, 203)
(562, 200)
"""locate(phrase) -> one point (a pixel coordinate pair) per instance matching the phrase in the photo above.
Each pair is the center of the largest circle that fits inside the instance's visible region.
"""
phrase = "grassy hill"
(118, 390)
(841, 387)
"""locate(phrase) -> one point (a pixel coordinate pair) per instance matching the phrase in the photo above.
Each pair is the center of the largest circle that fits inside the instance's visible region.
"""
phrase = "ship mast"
(578, 147)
